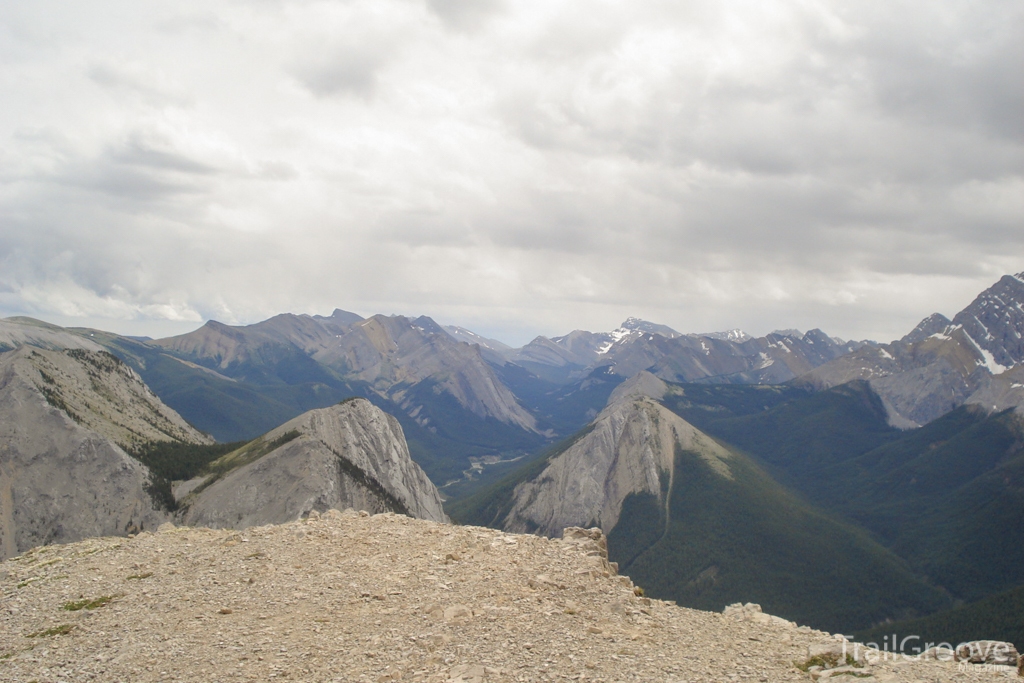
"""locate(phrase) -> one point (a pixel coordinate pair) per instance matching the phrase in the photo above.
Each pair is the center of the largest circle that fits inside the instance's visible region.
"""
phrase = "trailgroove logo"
(986, 652)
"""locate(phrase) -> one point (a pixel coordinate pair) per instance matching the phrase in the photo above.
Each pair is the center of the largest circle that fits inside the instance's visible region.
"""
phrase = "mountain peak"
(936, 323)
(789, 332)
(995, 321)
(633, 324)
(733, 335)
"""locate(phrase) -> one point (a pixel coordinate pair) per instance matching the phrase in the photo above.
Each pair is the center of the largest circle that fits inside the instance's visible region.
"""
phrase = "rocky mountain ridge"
(20, 331)
(975, 358)
(349, 455)
(391, 355)
(730, 357)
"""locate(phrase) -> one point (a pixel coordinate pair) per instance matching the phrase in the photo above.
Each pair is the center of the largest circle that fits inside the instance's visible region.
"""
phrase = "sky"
(518, 167)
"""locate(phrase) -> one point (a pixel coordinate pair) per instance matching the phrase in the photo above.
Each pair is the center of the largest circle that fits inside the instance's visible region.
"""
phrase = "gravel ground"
(350, 597)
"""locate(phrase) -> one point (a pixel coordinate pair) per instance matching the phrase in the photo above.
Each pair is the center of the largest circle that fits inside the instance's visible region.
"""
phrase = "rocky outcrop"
(629, 449)
(65, 419)
(348, 455)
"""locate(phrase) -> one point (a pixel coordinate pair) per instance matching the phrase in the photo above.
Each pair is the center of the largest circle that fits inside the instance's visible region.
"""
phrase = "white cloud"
(517, 165)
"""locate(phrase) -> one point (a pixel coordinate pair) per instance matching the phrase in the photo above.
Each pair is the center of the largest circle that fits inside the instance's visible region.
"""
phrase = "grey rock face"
(349, 455)
(63, 481)
(630, 449)
(101, 393)
(995, 320)
(944, 364)
(936, 323)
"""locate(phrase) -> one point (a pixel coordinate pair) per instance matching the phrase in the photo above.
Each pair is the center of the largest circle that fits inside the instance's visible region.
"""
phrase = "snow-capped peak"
(633, 324)
(733, 335)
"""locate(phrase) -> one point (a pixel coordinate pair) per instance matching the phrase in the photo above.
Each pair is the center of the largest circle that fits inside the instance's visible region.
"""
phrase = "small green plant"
(95, 603)
(61, 630)
(828, 661)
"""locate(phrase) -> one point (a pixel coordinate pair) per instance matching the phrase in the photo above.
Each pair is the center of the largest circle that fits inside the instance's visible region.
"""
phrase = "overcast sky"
(516, 167)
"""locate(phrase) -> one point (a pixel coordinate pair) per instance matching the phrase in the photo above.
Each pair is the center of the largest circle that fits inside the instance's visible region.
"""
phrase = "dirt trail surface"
(347, 597)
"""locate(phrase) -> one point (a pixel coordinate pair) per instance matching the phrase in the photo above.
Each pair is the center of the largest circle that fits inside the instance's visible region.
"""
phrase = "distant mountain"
(237, 382)
(390, 354)
(730, 357)
(638, 325)
(230, 409)
(339, 320)
(944, 363)
(450, 401)
(692, 520)
(463, 335)
(69, 421)
(735, 335)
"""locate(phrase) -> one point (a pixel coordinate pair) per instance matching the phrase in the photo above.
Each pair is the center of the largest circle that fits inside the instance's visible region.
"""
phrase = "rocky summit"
(347, 596)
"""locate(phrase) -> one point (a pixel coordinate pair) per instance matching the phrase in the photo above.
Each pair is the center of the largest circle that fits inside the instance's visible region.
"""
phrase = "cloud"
(152, 87)
(345, 70)
(465, 15)
(520, 166)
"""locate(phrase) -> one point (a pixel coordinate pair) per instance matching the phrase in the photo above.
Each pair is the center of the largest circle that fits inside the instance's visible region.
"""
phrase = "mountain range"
(797, 470)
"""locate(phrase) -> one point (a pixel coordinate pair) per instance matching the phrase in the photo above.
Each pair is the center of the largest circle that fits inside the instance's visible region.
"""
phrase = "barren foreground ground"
(375, 598)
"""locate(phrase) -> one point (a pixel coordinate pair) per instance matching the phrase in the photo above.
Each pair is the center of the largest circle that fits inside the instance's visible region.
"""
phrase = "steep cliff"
(65, 419)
